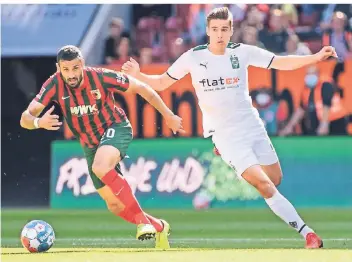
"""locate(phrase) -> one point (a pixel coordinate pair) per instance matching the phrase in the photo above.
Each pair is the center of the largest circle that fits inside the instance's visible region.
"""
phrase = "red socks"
(122, 190)
(157, 224)
(132, 213)
(129, 217)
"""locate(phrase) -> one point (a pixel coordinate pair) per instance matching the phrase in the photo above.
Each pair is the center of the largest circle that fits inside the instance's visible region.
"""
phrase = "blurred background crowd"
(157, 34)
(160, 33)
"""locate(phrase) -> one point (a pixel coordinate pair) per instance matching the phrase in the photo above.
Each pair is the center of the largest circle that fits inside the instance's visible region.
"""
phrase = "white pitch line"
(180, 240)
(202, 239)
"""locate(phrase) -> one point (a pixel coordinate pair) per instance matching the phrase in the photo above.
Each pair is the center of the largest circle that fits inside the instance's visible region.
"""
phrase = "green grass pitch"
(210, 235)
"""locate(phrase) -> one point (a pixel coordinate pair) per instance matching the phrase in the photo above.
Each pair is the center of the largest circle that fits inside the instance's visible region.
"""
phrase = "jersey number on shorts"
(110, 133)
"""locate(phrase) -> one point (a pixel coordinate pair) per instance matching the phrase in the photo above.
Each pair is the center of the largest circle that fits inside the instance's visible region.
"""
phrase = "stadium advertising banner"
(279, 90)
(35, 23)
(184, 173)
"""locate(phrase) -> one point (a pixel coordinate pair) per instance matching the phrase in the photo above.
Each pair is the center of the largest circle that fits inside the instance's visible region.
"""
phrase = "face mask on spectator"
(311, 80)
(263, 99)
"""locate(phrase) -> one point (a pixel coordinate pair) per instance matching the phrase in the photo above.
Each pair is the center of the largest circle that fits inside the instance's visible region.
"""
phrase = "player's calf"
(114, 205)
(274, 172)
(255, 176)
(278, 203)
(106, 158)
(266, 188)
(277, 180)
(115, 208)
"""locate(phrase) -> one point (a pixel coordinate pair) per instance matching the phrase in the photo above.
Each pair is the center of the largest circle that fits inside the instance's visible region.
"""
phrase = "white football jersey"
(221, 83)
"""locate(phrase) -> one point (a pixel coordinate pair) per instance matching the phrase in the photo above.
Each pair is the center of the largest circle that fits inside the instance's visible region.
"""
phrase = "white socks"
(285, 210)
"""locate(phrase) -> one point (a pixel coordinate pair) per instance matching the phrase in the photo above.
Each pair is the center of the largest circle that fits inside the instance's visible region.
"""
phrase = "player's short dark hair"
(68, 53)
(222, 13)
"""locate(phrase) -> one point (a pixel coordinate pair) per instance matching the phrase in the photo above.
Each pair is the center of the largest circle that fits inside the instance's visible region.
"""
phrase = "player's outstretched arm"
(292, 62)
(157, 82)
(30, 119)
(173, 121)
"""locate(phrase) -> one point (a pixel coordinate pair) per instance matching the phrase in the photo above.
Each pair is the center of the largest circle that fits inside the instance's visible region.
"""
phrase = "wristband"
(36, 124)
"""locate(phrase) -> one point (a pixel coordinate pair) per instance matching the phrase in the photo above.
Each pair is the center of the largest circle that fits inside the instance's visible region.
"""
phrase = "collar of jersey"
(213, 53)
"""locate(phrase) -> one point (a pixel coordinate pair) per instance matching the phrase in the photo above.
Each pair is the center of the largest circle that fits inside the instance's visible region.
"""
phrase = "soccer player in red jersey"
(85, 95)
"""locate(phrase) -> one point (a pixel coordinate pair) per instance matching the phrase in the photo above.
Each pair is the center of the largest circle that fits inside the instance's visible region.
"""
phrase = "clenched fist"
(326, 52)
(131, 68)
(174, 122)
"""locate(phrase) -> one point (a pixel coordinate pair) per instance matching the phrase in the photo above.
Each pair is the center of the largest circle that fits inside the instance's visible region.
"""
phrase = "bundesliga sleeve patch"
(122, 79)
(40, 94)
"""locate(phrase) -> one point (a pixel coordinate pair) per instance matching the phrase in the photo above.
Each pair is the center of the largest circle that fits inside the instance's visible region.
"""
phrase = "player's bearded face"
(72, 72)
(219, 32)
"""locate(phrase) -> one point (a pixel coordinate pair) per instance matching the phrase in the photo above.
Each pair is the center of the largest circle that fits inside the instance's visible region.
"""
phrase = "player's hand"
(326, 52)
(131, 68)
(49, 121)
(174, 122)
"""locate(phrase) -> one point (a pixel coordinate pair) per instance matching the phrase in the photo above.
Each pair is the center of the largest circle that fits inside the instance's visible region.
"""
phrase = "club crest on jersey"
(96, 94)
(234, 62)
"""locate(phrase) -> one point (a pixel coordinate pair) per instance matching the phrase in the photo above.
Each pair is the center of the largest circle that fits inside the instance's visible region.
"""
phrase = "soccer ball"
(37, 236)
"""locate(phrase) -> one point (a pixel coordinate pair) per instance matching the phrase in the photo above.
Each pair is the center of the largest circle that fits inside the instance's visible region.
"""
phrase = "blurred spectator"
(338, 37)
(327, 16)
(237, 32)
(295, 47)
(176, 50)
(321, 110)
(149, 10)
(255, 17)
(198, 23)
(274, 37)
(123, 51)
(331, 9)
(308, 18)
(290, 14)
(250, 36)
(264, 101)
(238, 11)
(116, 32)
(146, 56)
(264, 9)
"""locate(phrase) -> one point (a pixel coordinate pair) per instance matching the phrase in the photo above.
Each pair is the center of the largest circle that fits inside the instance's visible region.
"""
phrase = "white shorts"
(241, 150)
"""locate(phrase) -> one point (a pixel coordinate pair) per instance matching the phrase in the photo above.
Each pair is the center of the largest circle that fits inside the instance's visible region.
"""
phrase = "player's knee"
(266, 188)
(100, 169)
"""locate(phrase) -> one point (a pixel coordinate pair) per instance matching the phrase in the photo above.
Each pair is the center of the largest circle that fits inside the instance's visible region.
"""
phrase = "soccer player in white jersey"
(219, 76)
